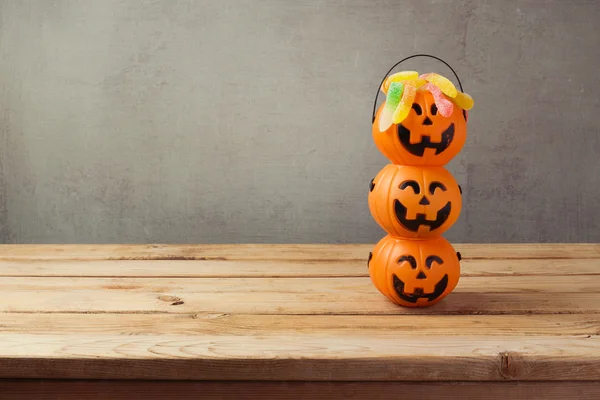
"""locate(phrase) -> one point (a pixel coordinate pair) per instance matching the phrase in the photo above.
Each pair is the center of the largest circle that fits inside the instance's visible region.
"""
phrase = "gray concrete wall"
(249, 121)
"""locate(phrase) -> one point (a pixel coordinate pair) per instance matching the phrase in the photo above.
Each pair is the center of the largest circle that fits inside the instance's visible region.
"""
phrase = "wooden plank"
(473, 295)
(302, 356)
(264, 325)
(186, 252)
(295, 304)
(320, 252)
(277, 268)
(178, 268)
(505, 251)
(181, 390)
(266, 286)
(530, 267)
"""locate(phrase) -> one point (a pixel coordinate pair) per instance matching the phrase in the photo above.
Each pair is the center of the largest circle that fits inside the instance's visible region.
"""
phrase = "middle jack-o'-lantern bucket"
(421, 126)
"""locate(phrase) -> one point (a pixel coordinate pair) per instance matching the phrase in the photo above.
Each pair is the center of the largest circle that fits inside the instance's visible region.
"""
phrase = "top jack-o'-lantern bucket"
(424, 118)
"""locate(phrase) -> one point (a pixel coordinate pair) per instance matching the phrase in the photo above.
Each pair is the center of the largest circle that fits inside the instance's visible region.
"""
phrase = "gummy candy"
(399, 76)
(401, 88)
(464, 101)
(444, 106)
(405, 104)
(385, 120)
(419, 82)
(444, 84)
(394, 94)
(403, 76)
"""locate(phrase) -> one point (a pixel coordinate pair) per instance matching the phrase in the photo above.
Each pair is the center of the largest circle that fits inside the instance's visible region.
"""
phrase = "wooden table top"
(525, 312)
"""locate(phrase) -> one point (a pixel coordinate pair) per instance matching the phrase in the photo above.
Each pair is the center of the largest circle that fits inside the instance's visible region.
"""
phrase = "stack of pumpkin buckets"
(421, 126)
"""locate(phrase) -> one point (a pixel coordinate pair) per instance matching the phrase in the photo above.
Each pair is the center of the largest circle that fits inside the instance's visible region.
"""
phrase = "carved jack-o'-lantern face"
(414, 202)
(414, 273)
(424, 137)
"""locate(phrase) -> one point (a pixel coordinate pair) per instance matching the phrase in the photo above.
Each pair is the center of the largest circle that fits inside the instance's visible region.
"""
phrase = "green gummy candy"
(394, 94)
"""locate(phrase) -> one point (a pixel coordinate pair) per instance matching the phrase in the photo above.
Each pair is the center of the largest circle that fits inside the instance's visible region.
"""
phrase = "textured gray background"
(249, 121)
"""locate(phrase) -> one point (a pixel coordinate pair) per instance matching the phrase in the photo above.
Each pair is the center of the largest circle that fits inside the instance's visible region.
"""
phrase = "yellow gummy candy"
(419, 82)
(445, 85)
(399, 76)
(464, 101)
(405, 105)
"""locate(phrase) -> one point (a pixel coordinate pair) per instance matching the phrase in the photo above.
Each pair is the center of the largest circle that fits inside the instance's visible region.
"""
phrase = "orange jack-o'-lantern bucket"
(423, 120)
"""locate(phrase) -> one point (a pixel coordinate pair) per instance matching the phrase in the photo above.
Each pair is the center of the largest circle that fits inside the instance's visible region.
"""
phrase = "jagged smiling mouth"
(418, 149)
(399, 285)
(414, 224)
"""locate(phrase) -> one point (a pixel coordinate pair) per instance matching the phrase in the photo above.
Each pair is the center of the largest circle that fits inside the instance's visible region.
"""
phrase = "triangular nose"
(427, 121)
(424, 201)
(421, 275)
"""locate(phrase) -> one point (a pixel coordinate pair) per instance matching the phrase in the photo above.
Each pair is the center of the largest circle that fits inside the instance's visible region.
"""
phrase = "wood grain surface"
(524, 313)
(264, 324)
(303, 252)
(276, 268)
(232, 390)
